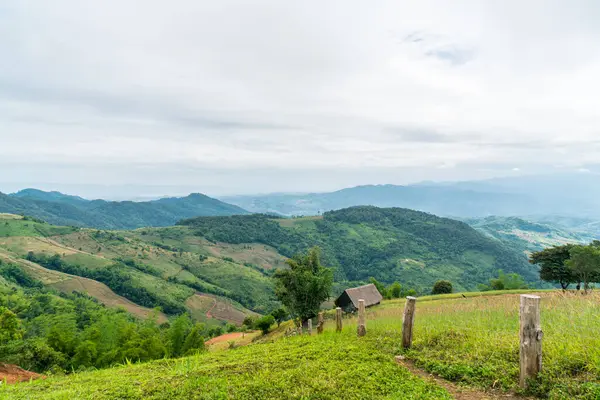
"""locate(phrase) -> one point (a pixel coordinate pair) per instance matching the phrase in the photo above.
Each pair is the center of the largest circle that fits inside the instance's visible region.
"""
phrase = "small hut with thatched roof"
(348, 300)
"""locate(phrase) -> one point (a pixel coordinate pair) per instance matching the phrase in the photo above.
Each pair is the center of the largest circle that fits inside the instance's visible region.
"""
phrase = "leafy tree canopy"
(305, 285)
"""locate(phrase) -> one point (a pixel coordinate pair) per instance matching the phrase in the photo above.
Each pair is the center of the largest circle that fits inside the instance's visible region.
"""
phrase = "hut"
(348, 300)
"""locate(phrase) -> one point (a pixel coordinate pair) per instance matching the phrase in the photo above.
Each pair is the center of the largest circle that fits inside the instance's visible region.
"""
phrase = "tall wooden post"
(321, 323)
(408, 321)
(309, 327)
(362, 323)
(338, 319)
(530, 350)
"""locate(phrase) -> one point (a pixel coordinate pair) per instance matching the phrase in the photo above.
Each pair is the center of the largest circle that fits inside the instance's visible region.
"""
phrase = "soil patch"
(225, 338)
(13, 374)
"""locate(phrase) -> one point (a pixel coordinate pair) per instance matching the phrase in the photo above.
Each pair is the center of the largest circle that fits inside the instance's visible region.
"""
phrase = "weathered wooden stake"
(321, 323)
(338, 319)
(408, 321)
(530, 332)
(309, 327)
(362, 323)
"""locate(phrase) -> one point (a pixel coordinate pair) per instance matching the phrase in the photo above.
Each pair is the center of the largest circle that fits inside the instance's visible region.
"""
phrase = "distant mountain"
(36, 194)
(567, 195)
(390, 244)
(525, 235)
(61, 209)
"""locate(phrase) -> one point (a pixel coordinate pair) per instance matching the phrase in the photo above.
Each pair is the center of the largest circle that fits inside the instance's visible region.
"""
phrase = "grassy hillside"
(471, 341)
(122, 270)
(61, 209)
(412, 247)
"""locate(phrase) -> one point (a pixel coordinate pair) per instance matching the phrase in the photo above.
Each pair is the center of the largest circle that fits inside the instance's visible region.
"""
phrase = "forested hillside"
(394, 244)
(61, 209)
(525, 235)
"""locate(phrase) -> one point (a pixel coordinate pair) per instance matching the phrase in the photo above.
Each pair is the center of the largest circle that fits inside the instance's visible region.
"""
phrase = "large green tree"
(305, 285)
(553, 268)
(585, 263)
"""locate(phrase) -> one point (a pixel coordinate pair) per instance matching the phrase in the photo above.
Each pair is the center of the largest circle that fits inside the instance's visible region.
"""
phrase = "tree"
(442, 287)
(380, 287)
(304, 286)
(552, 263)
(280, 315)
(585, 264)
(264, 323)
(194, 342)
(10, 326)
(395, 290)
(177, 334)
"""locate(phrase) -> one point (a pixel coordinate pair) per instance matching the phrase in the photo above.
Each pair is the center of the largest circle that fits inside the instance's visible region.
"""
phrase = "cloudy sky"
(123, 98)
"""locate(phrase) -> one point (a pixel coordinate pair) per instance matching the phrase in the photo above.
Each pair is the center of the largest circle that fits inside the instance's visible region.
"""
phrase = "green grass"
(475, 340)
(472, 341)
(330, 366)
(20, 227)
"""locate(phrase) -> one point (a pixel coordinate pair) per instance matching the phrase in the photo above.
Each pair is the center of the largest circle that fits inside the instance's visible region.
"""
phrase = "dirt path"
(458, 392)
(208, 314)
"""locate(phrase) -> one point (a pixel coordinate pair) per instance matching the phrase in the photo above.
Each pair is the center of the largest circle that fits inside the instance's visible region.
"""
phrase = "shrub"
(442, 287)
(264, 323)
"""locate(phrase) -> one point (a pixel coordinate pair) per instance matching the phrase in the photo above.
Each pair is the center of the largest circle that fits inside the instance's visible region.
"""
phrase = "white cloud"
(328, 86)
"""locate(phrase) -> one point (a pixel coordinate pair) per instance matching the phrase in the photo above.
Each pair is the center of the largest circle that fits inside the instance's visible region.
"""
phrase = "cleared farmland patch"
(205, 307)
(106, 296)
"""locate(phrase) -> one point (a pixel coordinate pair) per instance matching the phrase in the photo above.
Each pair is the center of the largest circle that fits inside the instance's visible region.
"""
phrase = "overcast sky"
(160, 97)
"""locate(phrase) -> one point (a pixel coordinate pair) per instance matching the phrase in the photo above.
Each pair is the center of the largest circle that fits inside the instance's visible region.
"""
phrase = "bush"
(442, 287)
(264, 323)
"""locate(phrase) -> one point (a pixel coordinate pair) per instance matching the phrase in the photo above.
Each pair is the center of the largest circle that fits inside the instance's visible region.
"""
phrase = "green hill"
(470, 345)
(61, 209)
(392, 244)
(527, 236)
(148, 273)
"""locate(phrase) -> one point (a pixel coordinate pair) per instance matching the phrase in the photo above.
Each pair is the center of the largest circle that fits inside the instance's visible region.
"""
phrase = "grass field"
(329, 367)
(472, 341)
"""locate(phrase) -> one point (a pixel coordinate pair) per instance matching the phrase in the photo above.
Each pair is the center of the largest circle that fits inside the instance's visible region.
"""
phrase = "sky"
(122, 98)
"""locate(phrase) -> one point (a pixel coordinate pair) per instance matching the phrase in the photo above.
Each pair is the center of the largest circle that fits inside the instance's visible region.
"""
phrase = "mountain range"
(566, 195)
(62, 209)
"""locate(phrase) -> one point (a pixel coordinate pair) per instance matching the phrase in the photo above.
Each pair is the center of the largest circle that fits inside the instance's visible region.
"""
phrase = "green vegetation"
(331, 366)
(475, 341)
(411, 247)
(569, 264)
(133, 266)
(442, 287)
(531, 236)
(61, 209)
(304, 286)
(505, 282)
(265, 323)
(472, 341)
(43, 330)
(553, 268)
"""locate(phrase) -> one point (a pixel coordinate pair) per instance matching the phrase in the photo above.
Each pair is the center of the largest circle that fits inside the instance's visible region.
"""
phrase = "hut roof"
(368, 293)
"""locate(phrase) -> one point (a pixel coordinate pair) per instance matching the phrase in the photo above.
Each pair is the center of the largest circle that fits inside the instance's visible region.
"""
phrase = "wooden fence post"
(362, 323)
(408, 321)
(530, 332)
(309, 326)
(320, 323)
(338, 319)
